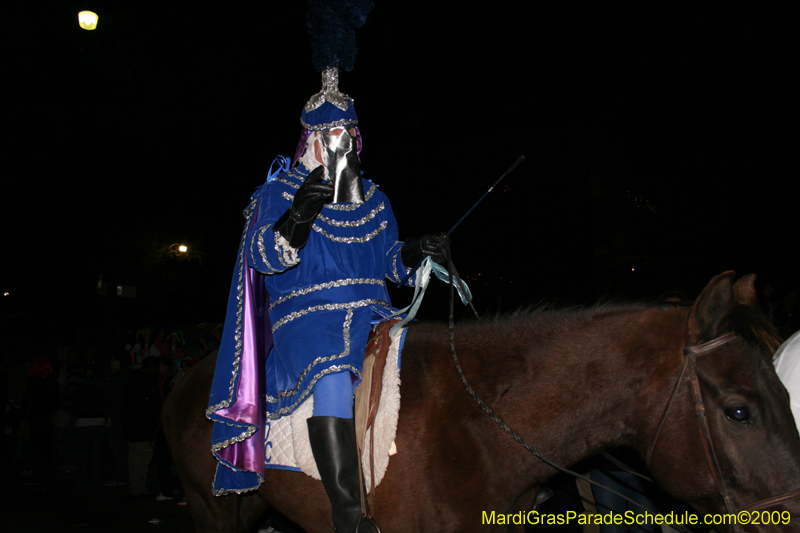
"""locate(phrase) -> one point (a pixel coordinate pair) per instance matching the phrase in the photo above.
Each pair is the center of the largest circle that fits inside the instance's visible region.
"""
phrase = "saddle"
(368, 392)
(287, 443)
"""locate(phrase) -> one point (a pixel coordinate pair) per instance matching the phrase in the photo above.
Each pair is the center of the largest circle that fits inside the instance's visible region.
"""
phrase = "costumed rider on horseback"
(325, 239)
(365, 253)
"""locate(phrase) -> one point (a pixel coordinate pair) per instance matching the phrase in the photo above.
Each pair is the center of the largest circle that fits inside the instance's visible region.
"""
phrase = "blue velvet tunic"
(324, 296)
(313, 319)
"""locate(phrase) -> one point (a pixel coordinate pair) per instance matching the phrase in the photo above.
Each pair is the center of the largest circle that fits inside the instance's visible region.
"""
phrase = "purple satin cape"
(237, 404)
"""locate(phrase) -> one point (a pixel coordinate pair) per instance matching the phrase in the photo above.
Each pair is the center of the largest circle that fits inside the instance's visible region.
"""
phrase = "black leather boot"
(333, 442)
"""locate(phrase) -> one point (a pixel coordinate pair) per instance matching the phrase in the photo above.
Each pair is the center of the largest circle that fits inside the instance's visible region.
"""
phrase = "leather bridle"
(690, 353)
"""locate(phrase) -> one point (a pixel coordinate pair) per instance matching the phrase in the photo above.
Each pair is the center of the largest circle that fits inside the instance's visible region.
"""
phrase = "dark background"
(660, 144)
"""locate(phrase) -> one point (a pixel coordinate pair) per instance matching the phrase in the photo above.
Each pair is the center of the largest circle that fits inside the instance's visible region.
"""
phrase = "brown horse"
(571, 382)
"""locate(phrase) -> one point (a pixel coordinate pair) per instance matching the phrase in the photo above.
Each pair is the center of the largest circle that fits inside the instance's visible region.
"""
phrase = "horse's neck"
(587, 389)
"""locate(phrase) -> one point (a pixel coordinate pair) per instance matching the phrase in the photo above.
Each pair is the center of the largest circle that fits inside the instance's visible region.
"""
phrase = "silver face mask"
(341, 160)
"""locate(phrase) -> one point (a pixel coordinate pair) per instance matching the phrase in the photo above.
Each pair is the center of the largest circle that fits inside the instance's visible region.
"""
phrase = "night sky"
(660, 144)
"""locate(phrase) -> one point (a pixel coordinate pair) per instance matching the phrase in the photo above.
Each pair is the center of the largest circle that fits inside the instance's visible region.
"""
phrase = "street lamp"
(87, 20)
(178, 248)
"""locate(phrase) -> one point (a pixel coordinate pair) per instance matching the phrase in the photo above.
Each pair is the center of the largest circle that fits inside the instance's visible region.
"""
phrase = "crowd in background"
(92, 412)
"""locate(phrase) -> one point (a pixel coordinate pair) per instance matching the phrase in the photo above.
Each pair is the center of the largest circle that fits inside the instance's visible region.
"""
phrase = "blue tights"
(333, 395)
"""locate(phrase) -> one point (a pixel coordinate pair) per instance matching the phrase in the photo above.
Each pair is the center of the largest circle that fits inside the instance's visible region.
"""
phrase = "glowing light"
(178, 249)
(87, 20)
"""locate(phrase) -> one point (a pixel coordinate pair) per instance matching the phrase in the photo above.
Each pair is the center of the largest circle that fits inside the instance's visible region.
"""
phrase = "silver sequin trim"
(223, 492)
(286, 254)
(348, 320)
(353, 223)
(328, 285)
(248, 211)
(296, 174)
(328, 125)
(331, 369)
(330, 92)
(262, 249)
(237, 336)
(339, 207)
(394, 265)
(287, 182)
(349, 206)
(327, 307)
(352, 240)
(248, 432)
(287, 393)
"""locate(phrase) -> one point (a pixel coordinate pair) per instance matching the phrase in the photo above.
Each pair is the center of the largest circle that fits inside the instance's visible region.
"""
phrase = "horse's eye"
(738, 414)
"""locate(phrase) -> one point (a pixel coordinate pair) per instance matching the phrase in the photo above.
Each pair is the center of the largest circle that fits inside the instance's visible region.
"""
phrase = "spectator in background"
(141, 416)
(40, 403)
(90, 405)
(15, 423)
(120, 370)
(173, 347)
(146, 346)
(69, 376)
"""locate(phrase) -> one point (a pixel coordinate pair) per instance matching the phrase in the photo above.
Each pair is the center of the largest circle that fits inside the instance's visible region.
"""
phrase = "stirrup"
(545, 493)
(367, 525)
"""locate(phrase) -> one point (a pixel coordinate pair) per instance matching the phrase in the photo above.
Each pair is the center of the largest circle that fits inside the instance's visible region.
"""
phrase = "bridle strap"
(700, 349)
(690, 354)
(775, 500)
(705, 434)
(666, 412)
(706, 347)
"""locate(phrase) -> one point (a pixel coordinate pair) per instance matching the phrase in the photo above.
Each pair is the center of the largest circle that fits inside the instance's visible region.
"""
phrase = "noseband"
(690, 353)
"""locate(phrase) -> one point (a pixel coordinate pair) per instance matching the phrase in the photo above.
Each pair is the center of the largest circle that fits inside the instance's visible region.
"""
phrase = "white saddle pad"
(287, 443)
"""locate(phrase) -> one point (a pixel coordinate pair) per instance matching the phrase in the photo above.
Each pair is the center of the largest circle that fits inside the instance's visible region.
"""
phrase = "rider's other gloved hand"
(414, 250)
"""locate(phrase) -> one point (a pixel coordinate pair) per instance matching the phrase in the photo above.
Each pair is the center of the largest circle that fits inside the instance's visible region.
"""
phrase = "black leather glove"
(415, 249)
(295, 224)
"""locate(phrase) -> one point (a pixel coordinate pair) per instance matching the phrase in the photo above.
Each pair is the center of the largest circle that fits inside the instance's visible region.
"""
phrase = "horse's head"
(729, 422)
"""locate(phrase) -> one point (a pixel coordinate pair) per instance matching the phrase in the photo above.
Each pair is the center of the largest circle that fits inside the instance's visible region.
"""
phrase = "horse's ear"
(711, 307)
(744, 290)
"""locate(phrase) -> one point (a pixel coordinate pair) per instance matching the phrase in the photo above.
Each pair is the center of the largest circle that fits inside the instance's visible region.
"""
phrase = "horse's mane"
(748, 322)
(542, 314)
(754, 327)
(542, 319)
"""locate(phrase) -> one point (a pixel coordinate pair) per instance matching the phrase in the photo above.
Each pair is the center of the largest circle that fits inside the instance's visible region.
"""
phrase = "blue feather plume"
(332, 25)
